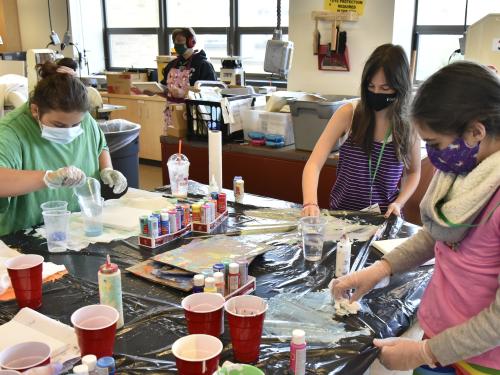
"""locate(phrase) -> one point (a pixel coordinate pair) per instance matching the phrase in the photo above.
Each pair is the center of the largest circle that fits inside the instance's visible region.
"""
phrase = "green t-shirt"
(23, 148)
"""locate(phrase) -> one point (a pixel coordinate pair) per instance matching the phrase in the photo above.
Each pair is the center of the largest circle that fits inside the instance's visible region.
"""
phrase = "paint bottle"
(233, 277)
(243, 264)
(81, 370)
(198, 283)
(106, 363)
(210, 285)
(298, 352)
(343, 258)
(110, 288)
(219, 282)
(90, 361)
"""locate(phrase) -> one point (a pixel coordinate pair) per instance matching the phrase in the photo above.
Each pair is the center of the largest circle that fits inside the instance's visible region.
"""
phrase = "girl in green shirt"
(47, 147)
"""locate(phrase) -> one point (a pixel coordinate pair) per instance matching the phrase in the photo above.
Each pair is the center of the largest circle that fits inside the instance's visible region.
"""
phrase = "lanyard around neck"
(379, 159)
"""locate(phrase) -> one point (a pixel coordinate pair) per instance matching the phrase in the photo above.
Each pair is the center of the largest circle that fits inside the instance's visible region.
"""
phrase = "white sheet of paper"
(386, 246)
(29, 325)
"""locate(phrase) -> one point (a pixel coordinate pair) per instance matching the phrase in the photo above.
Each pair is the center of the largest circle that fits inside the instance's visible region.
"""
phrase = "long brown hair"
(58, 91)
(393, 61)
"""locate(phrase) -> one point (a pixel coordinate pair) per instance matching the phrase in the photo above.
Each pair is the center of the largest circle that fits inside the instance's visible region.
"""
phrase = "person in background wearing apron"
(190, 66)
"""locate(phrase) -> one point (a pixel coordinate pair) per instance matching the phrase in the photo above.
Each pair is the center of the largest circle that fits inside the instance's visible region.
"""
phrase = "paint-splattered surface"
(154, 318)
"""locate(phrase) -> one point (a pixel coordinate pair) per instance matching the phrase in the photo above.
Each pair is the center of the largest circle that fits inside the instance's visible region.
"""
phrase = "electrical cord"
(278, 14)
(453, 54)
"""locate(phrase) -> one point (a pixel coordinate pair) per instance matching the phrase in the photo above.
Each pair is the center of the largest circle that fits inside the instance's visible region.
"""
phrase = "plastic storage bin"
(122, 137)
(203, 115)
(268, 123)
(310, 118)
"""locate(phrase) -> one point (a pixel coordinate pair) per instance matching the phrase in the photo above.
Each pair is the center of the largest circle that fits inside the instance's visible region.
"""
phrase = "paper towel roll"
(215, 157)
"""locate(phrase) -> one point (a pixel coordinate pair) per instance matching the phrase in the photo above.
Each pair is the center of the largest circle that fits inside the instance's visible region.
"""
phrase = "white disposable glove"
(64, 177)
(361, 281)
(404, 354)
(114, 179)
(52, 369)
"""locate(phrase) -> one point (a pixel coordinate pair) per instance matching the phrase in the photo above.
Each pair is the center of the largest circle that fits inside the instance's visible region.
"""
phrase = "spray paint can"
(298, 352)
(172, 219)
(110, 288)
(165, 224)
(343, 257)
(221, 203)
(233, 277)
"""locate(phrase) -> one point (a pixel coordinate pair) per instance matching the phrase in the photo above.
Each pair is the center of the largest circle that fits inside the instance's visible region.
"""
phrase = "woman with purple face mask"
(457, 113)
(380, 148)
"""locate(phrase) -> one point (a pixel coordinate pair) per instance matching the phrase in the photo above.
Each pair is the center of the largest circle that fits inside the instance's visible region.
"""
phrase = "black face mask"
(379, 101)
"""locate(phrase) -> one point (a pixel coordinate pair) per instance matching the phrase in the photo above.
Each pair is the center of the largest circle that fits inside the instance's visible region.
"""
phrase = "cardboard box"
(178, 128)
(121, 83)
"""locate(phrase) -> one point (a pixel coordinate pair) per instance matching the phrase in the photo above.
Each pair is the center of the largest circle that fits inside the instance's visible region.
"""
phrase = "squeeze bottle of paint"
(298, 352)
(198, 283)
(343, 259)
(233, 277)
(110, 288)
(219, 282)
(210, 285)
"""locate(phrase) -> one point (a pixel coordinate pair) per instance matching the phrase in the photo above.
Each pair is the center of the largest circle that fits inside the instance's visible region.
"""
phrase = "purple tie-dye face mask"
(457, 158)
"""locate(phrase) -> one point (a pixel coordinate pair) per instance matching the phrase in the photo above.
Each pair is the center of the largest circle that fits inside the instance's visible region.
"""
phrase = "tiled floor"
(149, 177)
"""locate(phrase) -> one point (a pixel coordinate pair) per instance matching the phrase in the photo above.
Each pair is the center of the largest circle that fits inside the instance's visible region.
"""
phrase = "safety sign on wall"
(357, 6)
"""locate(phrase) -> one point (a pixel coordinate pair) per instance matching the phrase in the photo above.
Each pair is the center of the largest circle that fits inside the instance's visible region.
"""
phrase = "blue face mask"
(458, 157)
(61, 135)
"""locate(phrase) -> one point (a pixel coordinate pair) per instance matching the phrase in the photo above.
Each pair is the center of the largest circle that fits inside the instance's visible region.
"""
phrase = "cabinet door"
(151, 129)
(131, 113)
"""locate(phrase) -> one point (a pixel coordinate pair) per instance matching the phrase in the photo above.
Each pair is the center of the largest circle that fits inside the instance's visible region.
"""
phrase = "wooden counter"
(146, 111)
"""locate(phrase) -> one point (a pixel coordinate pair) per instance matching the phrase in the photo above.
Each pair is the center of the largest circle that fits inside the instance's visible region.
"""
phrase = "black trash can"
(122, 137)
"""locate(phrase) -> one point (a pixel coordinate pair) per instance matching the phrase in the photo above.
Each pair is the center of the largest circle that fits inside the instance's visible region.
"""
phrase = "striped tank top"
(352, 188)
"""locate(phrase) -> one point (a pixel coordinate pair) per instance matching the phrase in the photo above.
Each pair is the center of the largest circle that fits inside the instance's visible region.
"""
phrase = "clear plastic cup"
(56, 230)
(92, 215)
(54, 205)
(90, 189)
(178, 173)
(313, 233)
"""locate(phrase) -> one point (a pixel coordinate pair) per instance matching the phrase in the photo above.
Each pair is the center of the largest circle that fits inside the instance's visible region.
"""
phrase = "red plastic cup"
(24, 356)
(95, 327)
(25, 272)
(245, 315)
(204, 312)
(197, 354)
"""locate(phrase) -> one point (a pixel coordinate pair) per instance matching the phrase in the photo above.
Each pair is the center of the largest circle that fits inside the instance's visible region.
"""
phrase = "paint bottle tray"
(247, 288)
(154, 242)
(210, 227)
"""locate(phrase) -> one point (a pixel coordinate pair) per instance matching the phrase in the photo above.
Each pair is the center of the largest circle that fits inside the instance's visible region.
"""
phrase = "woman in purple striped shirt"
(380, 147)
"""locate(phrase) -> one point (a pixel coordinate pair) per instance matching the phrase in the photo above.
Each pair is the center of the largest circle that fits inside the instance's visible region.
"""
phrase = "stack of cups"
(56, 219)
(245, 315)
(25, 273)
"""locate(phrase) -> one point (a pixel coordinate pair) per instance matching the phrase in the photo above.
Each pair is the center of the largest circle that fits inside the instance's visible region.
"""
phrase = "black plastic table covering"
(154, 318)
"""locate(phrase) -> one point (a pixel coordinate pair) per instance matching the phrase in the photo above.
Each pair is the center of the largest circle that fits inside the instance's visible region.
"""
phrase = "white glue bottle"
(298, 352)
(110, 288)
(343, 259)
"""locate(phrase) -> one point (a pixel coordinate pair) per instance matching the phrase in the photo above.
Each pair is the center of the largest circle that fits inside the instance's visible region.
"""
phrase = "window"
(138, 32)
(439, 27)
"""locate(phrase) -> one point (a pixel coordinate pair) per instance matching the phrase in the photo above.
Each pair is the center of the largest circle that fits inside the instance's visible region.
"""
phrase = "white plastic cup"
(92, 216)
(56, 230)
(178, 173)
